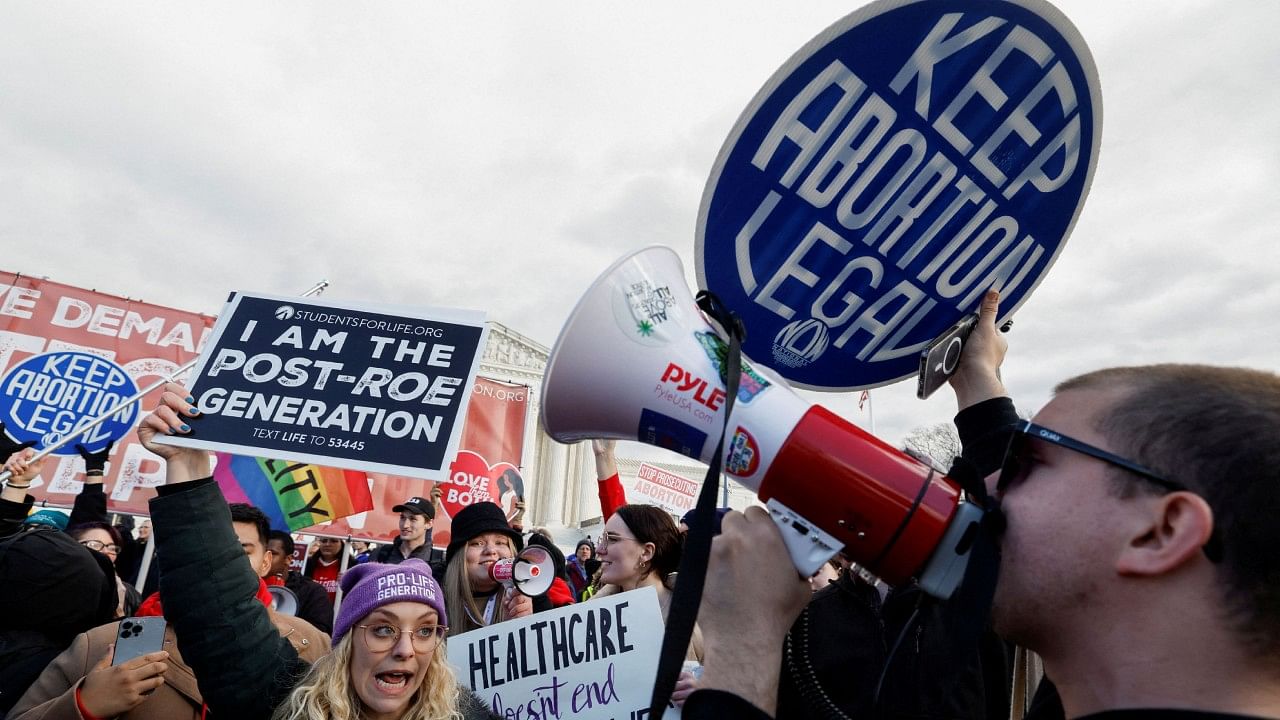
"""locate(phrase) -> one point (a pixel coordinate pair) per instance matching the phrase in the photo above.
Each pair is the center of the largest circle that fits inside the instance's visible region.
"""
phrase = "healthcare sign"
(904, 161)
(588, 661)
(344, 385)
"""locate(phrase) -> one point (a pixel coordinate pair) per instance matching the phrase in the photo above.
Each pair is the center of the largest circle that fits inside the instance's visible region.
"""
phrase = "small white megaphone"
(283, 600)
(637, 360)
(531, 572)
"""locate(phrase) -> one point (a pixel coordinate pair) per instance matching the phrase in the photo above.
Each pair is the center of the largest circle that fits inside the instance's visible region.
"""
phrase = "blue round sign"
(912, 156)
(47, 396)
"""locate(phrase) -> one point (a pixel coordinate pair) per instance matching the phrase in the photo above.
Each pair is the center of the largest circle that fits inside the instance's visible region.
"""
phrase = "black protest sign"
(344, 385)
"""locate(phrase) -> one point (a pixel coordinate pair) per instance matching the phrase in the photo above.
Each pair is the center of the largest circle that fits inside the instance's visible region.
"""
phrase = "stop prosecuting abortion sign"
(48, 395)
(904, 161)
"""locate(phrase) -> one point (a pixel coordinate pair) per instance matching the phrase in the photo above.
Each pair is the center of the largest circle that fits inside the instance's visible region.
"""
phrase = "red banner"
(486, 469)
(147, 342)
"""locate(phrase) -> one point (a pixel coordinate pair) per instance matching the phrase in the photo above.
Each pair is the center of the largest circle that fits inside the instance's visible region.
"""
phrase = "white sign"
(655, 486)
(588, 661)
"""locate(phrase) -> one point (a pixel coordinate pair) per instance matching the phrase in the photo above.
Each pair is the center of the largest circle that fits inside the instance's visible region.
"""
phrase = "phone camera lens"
(953, 355)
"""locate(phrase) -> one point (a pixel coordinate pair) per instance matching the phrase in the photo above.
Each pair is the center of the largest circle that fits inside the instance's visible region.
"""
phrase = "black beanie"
(478, 519)
(557, 556)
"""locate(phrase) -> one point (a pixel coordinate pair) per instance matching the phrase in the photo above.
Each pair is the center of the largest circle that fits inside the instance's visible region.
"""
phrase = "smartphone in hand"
(938, 361)
(138, 636)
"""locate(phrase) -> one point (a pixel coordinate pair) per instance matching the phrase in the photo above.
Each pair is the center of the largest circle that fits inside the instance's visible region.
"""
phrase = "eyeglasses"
(1018, 461)
(101, 546)
(607, 539)
(381, 637)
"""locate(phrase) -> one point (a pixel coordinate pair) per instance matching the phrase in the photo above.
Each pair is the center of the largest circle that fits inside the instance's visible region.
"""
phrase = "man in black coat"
(416, 517)
(1135, 556)
(313, 601)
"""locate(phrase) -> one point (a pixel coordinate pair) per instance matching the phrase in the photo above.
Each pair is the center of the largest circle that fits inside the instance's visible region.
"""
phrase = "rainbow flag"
(293, 495)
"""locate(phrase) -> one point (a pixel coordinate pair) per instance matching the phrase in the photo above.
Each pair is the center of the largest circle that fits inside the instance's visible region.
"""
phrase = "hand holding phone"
(117, 685)
(138, 636)
(940, 359)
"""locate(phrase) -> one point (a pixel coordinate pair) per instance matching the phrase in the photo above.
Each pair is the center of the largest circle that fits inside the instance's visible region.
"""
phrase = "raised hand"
(173, 417)
(95, 463)
(977, 375)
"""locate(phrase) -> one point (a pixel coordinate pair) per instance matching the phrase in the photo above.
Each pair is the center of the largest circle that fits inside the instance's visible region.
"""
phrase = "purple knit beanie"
(367, 587)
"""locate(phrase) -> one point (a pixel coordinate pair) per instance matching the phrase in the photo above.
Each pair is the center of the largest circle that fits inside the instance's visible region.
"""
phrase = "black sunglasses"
(1018, 462)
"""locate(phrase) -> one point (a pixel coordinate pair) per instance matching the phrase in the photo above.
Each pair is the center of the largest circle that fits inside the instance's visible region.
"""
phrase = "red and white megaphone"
(531, 571)
(637, 360)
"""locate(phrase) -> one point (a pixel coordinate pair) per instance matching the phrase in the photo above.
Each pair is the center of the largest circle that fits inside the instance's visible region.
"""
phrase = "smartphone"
(138, 636)
(938, 361)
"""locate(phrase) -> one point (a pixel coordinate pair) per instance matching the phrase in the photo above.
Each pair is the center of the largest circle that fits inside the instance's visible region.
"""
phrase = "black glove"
(95, 460)
(8, 446)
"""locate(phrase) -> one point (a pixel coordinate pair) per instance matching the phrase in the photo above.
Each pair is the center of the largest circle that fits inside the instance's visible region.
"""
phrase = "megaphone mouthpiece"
(531, 572)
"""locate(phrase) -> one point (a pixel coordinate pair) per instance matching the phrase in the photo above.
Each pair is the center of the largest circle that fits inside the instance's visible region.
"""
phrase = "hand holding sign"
(172, 416)
(22, 468)
(685, 686)
(977, 377)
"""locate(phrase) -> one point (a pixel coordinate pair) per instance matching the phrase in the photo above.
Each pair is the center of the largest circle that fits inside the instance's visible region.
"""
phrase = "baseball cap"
(418, 505)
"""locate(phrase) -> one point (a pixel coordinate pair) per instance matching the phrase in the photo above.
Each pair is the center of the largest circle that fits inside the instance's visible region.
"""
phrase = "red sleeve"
(612, 495)
(559, 593)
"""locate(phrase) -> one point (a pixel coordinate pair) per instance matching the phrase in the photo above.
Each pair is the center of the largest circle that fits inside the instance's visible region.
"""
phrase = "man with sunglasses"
(1138, 557)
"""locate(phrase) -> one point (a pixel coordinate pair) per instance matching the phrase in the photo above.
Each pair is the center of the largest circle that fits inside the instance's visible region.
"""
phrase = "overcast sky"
(498, 156)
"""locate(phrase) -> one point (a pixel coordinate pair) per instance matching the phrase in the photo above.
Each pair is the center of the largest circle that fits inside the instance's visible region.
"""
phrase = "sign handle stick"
(342, 570)
(123, 404)
(147, 554)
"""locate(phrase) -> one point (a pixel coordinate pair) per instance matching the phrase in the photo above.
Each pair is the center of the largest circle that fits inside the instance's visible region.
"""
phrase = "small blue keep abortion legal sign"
(47, 396)
(910, 157)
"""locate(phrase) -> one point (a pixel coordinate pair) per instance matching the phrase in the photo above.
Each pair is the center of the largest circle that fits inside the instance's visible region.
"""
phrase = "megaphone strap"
(692, 574)
(906, 520)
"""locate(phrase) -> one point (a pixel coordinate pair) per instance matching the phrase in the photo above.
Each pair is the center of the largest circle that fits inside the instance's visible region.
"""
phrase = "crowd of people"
(1136, 520)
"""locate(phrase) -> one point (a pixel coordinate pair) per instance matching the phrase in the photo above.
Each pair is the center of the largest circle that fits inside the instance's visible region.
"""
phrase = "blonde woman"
(388, 659)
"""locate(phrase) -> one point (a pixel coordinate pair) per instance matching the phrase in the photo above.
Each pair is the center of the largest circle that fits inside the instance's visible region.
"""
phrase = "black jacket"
(51, 588)
(313, 601)
(838, 648)
(391, 555)
(245, 668)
